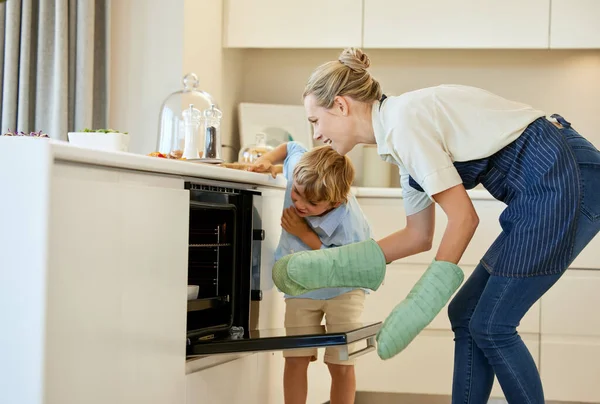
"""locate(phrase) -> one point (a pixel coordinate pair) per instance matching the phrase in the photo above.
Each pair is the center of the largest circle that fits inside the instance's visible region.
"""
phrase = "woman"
(445, 140)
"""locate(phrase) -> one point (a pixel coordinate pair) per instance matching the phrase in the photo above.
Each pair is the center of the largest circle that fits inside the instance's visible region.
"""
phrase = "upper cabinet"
(575, 24)
(292, 24)
(484, 24)
(410, 24)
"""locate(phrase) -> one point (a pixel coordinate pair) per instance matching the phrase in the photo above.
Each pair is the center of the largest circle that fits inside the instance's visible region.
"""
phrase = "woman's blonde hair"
(346, 76)
(325, 175)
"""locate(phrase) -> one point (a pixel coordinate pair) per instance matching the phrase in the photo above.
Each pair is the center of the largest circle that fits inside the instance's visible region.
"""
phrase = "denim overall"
(549, 178)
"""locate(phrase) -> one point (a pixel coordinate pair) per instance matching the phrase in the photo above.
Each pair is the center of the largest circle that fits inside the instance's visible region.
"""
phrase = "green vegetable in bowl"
(87, 130)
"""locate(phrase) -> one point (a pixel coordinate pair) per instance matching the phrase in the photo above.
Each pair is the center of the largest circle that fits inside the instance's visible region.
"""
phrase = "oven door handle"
(345, 355)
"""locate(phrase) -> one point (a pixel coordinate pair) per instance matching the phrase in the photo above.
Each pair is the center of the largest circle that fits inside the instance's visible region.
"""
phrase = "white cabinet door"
(292, 24)
(424, 367)
(456, 24)
(117, 278)
(387, 216)
(570, 368)
(400, 278)
(230, 383)
(570, 350)
(569, 308)
(574, 24)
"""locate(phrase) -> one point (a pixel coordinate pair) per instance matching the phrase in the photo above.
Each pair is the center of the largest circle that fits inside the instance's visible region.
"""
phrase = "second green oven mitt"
(425, 300)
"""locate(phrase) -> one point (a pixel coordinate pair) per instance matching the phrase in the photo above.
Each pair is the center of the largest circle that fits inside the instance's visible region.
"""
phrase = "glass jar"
(251, 153)
(212, 135)
(182, 121)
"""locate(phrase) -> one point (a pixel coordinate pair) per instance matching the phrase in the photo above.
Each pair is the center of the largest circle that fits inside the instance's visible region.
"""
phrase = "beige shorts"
(343, 309)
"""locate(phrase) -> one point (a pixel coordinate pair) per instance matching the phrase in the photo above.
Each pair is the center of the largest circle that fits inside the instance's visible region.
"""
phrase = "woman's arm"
(462, 223)
(415, 238)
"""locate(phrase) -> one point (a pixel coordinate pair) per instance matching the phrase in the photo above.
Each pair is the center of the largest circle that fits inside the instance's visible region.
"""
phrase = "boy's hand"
(297, 226)
(263, 166)
(294, 224)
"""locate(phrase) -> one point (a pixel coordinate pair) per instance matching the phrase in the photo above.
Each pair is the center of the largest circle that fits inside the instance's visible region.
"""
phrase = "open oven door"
(341, 336)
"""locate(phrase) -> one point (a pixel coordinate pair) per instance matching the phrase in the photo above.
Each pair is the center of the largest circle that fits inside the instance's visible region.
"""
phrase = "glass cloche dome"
(189, 124)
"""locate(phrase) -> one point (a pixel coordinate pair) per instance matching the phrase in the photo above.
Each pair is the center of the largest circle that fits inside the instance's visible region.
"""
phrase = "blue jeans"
(486, 311)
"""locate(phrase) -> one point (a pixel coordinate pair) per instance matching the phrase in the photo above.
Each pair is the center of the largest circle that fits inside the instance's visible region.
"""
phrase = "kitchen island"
(92, 290)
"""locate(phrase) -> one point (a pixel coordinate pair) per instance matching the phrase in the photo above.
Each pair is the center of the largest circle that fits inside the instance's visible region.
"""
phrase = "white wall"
(218, 70)
(146, 65)
(566, 82)
(153, 45)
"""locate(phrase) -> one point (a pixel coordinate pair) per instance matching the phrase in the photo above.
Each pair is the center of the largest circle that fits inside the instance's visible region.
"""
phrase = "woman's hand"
(297, 226)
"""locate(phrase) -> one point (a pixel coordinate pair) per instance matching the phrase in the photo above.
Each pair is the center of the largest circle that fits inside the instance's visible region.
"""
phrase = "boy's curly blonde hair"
(325, 175)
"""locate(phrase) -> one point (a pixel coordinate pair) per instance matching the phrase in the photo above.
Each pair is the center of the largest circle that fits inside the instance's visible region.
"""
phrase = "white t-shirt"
(425, 131)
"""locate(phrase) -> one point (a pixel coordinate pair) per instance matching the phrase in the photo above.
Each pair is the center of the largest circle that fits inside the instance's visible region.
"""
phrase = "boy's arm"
(311, 239)
(275, 156)
(271, 161)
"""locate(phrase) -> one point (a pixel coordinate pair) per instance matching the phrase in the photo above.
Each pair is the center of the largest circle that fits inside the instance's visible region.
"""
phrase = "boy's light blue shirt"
(345, 224)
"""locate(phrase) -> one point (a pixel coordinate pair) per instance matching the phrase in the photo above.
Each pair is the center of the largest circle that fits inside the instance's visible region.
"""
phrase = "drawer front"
(570, 306)
(571, 368)
(424, 367)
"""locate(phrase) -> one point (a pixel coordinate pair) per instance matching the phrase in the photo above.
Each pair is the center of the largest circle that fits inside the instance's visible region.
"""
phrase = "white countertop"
(365, 192)
(63, 151)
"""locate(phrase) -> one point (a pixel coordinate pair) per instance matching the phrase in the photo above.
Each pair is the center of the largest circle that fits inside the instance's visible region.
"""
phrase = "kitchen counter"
(365, 192)
(63, 151)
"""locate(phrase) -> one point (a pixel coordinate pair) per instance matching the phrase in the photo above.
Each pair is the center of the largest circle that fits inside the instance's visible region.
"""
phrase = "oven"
(224, 262)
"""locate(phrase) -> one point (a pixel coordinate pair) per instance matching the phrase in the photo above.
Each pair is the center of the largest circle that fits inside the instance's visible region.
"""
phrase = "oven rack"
(210, 245)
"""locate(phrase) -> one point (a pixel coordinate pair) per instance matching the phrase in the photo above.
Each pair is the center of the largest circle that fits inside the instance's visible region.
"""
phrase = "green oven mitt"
(357, 265)
(425, 300)
(282, 280)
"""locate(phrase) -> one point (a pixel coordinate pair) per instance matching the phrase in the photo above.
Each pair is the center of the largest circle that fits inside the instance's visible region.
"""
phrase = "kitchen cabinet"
(116, 312)
(96, 278)
(432, 349)
(424, 367)
(487, 24)
(292, 24)
(561, 332)
(574, 24)
(238, 381)
(570, 350)
(571, 368)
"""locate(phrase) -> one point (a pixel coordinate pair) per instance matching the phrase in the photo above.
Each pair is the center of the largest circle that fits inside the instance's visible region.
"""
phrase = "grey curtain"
(54, 65)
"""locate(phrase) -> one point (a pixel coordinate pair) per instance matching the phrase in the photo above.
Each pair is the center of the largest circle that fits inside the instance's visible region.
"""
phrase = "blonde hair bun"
(355, 59)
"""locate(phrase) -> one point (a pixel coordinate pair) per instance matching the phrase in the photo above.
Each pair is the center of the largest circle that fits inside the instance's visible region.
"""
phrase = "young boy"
(319, 212)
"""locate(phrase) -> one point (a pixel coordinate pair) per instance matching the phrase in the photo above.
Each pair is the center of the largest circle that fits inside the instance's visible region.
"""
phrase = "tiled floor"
(388, 398)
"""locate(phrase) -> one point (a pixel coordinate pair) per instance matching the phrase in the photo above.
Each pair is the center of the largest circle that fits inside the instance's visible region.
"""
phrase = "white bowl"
(100, 141)
(193, 291)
